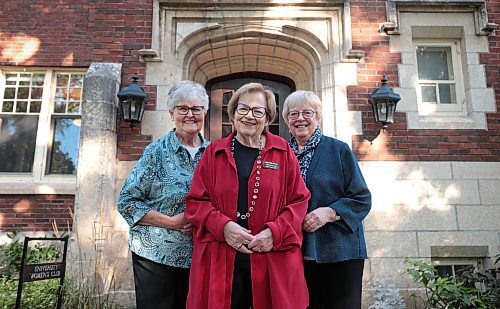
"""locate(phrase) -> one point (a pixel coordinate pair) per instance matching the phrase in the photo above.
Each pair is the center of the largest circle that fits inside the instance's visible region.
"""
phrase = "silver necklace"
(257, 179)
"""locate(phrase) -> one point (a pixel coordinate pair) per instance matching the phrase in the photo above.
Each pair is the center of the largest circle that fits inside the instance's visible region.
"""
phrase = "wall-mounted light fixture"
(132, 101)
(384, 101)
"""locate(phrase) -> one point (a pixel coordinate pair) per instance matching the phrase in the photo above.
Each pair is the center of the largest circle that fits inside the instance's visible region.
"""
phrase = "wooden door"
(217, 124)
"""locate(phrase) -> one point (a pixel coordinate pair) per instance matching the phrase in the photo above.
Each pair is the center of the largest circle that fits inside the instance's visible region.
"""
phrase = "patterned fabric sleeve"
(132, 199)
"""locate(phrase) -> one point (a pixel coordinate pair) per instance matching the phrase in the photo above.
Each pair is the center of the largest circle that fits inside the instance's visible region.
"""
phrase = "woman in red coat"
(246, 204)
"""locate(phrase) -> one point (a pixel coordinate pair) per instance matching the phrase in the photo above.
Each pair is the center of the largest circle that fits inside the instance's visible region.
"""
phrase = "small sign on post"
(43, 271)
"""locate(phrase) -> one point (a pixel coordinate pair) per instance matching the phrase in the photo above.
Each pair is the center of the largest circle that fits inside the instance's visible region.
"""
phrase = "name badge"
(271, 165)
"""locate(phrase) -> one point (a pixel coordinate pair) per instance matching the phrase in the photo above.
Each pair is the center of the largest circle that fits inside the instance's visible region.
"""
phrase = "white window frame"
(418, 23)
(477, 263)
(428, 109)
(37, 181)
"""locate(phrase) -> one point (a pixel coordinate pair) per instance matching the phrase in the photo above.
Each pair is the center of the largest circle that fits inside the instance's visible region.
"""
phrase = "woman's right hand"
(237, 237)
(177, 222)
(180, 223)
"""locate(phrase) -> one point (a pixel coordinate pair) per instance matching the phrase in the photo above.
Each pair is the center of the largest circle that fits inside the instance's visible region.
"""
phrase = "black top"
(244, 157)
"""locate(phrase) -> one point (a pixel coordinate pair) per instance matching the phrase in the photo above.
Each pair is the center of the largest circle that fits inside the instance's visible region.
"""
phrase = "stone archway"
(306, 44)
(286, 51)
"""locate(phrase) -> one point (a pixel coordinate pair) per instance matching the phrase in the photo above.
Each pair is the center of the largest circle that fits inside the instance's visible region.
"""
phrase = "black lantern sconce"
(132, 101)
(384, 101)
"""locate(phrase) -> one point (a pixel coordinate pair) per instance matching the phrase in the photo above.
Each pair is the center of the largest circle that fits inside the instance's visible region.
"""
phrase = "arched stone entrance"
(306, 44)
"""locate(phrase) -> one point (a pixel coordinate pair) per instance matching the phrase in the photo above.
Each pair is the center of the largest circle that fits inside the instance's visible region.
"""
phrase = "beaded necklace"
(257, 179)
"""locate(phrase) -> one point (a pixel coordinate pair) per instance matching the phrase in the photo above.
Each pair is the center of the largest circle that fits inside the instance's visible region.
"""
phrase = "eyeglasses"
(307, 114)
(184, 110)
(257, 112)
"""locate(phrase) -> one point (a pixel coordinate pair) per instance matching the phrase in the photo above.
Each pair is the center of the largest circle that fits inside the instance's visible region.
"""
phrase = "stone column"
(91, 250)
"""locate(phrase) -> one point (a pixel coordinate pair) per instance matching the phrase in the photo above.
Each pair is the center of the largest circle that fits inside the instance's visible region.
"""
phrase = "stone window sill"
(30, 186)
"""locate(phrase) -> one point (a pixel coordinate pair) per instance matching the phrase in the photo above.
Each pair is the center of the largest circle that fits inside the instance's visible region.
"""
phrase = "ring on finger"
(241, 245)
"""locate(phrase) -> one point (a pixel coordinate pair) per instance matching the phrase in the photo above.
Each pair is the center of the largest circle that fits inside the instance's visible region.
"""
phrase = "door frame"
(238, 76)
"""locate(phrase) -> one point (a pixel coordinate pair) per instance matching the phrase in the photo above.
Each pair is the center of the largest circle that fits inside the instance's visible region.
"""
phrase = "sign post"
(43, 271)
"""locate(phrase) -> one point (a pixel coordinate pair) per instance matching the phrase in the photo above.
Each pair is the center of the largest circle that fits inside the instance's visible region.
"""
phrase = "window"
(453, 260)
(439, 86)
(448, 267)
(40, 122)
(441, 81)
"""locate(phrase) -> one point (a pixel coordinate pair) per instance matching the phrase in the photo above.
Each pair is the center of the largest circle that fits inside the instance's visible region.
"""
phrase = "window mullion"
(2, 87)
(438, 98)
(44, 122)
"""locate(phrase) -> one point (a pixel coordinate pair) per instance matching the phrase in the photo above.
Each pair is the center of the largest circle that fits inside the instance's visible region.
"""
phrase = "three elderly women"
(275, 225)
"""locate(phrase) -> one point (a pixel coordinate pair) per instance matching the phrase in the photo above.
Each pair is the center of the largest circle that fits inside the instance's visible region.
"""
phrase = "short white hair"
(300, 97)
(187, 90)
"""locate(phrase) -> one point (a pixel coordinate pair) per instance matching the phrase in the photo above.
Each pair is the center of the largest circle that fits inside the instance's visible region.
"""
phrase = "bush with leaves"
(386, 296)
(487, 281)
(445, 292)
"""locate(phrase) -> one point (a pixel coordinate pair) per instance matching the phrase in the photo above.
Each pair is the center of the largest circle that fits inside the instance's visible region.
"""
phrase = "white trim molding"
(443, 27)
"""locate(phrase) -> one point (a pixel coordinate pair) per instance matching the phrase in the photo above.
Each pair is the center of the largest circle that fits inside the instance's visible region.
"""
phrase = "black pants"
(241, 294)
(334, 285)
(159, 286)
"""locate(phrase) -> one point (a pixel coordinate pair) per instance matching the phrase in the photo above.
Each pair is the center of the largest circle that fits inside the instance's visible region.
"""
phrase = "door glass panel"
(274, 129)
(226, 130)
(218, 124)
(225, 116)
(226, 96)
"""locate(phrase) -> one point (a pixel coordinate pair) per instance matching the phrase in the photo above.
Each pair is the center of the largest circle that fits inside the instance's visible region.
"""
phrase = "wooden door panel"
(217, 124)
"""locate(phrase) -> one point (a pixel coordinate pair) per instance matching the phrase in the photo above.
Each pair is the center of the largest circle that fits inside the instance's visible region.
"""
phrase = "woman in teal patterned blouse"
(152, 203)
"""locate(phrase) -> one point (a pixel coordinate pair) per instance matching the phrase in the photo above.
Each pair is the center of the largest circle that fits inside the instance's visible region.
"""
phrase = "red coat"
(277, 276)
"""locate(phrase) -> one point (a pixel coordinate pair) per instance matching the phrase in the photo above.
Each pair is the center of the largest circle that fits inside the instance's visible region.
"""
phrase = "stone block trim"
(33, 213)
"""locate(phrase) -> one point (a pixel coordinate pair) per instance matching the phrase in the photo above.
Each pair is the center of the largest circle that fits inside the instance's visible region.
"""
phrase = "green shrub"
(447, 292)
(488, 281)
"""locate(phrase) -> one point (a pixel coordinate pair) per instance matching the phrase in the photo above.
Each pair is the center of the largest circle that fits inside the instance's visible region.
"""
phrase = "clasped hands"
(243, 241)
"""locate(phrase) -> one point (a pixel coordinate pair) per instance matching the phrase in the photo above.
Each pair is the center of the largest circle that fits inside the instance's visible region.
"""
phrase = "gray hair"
(187, 90)
(299, 97)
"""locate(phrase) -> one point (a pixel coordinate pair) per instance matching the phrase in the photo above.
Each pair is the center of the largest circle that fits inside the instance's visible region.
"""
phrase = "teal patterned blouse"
(160, 181)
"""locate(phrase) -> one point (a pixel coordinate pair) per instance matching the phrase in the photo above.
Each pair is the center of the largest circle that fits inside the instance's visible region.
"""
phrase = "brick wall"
(28, 213)
(398, 143)
(74, 34)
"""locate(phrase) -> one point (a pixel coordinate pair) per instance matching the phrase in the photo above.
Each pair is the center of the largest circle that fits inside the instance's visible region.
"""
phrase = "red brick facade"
(114, 31)
(398, 143)
(75, 33)
(29, 213)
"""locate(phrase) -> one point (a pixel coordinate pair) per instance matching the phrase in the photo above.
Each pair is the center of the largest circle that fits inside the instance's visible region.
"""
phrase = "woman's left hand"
(317, 218)
(263, 242)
